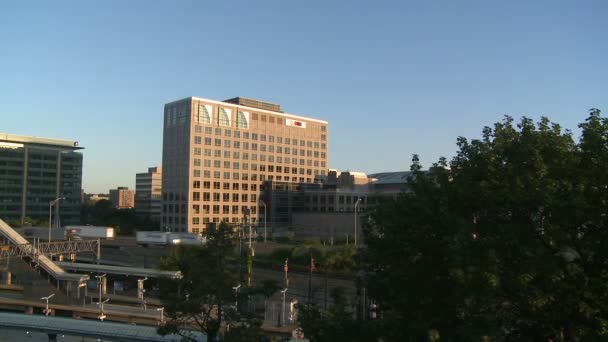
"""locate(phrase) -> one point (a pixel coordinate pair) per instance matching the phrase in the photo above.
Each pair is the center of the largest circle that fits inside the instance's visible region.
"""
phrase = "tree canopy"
(507, 241)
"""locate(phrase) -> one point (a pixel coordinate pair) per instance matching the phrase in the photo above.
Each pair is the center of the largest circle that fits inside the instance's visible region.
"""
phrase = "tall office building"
(35, 172)
(148, 187)
(122, 198)
(216, 155)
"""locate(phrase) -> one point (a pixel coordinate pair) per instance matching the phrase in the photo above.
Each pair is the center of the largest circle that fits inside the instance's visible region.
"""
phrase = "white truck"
(152, 238)
(89, 232)
(146, 238)
(185, 239)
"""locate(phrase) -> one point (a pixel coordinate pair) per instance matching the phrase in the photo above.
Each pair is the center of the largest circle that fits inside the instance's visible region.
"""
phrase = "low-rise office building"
(148, 191)
(122, 198)
(37, 172)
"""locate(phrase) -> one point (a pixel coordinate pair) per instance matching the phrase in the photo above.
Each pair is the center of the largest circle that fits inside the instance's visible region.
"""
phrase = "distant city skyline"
(392, 78)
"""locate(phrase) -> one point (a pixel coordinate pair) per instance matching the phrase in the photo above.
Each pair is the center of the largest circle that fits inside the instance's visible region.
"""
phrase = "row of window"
(254, 147)
(196, 220)
(253, 177)
(261, 137)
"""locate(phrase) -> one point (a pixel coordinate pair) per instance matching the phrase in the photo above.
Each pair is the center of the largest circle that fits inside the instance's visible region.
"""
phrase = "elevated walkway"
(40, 259)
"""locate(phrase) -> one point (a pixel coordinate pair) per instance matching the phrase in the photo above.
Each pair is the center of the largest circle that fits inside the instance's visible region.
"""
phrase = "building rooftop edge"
(15, 138)
(251, 108)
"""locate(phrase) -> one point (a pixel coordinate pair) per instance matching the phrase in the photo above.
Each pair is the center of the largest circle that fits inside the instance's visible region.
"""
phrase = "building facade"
(148, 192)
(216, 156)
(35, 172)
(122, 198)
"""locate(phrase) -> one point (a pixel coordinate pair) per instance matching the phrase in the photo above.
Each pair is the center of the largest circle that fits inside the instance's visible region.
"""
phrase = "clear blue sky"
(392, 78)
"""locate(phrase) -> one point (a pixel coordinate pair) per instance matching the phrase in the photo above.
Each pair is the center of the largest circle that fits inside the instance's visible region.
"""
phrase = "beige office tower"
(216, 155)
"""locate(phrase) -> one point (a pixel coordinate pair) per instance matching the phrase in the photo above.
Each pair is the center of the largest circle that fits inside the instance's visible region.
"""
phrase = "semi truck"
(146, 238)
(97, 232)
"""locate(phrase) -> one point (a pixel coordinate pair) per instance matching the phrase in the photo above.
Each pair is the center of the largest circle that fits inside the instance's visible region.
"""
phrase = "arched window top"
(203, 114)
(242, 120)
(224, 117)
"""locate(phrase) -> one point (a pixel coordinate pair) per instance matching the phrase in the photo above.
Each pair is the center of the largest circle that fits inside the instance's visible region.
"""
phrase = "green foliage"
(205, 289)
(507, 242)
(336, 324)
(102, 213)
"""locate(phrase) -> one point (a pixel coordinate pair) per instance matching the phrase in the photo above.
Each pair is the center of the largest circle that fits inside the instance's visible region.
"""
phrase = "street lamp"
(46, 311)
(141, 291)
(356, 204)
(283, 292)
(99, 277)
(51, 204)
(236, 294)
(162, 315)
(264, 204)
(102, 316)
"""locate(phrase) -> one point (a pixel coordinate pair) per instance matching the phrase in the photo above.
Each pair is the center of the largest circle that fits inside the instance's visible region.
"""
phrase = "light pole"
(141, 291)
(264, 204)
(162, 315)
(99, 284)
(102, 316)
(356, 213)
(283, 292)
(46, 311)
(51, 204)
(236, 296)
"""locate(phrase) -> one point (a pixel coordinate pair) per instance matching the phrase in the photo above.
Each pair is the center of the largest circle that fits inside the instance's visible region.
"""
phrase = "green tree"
(509, 241)
(203, 298)
(336, 324)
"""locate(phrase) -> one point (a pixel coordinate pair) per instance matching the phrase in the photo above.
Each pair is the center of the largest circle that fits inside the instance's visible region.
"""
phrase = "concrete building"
(34, 172)
(332, 207)
(216, 156)
(122, 198)
(148, 192)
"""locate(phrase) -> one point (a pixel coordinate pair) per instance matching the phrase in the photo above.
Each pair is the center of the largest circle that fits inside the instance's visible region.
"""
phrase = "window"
(196, 196)
(226, 143)
(227, 132)
(216, 196)
(242, 120)
(203, 114)
(216, 185)
(206, 184)
(197, 140)
(206, 196)
(196, 184)
(197, 162)
(207, 162)
(224, 117)
(197, 151)
(208, 130)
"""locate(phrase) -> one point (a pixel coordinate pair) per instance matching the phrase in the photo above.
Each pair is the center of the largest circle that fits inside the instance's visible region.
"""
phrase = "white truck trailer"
(89, 232)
